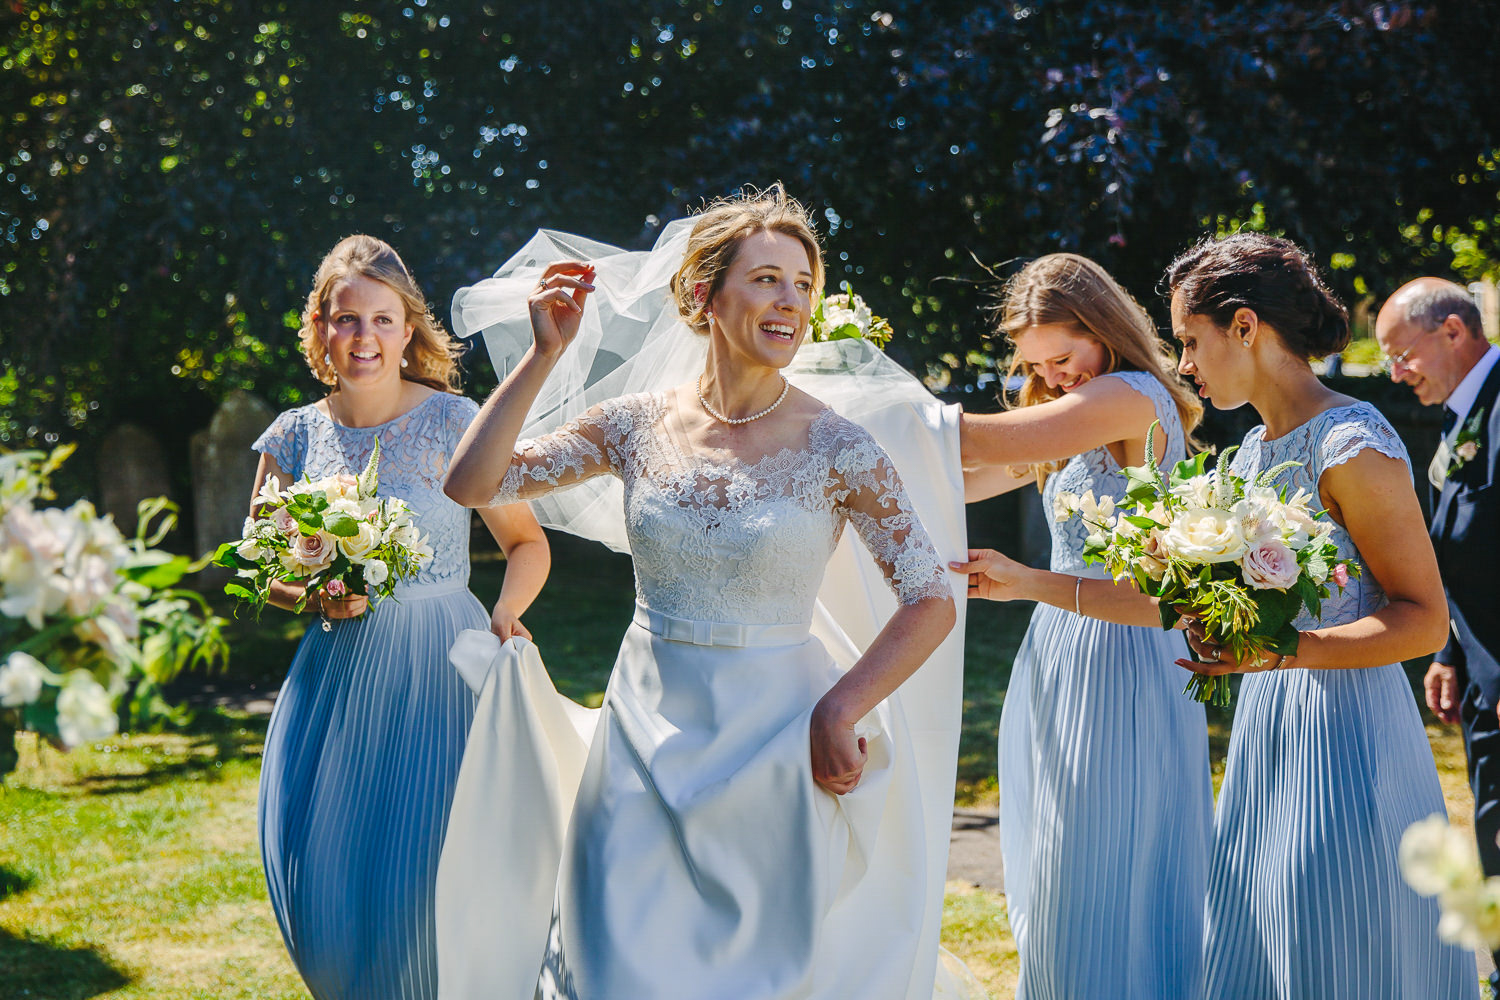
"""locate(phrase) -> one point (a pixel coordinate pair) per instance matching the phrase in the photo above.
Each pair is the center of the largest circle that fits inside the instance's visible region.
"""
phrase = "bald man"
(1432, 335)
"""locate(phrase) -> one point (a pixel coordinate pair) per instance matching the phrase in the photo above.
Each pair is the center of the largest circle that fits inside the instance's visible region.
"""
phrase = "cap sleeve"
(286, 441)
(1355, 429)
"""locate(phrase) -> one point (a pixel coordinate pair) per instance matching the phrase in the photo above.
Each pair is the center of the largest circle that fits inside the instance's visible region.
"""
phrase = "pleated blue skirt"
(1105, 804)
(1326, 770)
(361, 757)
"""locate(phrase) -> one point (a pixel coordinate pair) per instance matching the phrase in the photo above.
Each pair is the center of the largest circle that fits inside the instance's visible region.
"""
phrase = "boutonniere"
(1466, 445)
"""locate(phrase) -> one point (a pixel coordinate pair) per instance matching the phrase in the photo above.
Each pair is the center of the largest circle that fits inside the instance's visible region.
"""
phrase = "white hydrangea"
(21, 678)
(85, 711)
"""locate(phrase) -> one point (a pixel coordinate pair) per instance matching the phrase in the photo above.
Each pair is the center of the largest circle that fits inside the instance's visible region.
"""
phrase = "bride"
(748, 822)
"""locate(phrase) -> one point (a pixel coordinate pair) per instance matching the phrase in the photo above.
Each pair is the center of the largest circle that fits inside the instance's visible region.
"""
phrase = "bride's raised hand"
(992, 576)
(556, 305)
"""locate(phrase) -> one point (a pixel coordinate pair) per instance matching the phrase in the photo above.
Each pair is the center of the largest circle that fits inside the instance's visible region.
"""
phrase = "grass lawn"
(129, 869)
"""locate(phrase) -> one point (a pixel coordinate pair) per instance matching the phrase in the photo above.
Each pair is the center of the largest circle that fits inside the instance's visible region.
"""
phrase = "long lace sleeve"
(578, 450)
(868, 492)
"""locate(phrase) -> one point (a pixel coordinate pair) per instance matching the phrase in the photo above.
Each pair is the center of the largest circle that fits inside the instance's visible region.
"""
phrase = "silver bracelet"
(1077, 584)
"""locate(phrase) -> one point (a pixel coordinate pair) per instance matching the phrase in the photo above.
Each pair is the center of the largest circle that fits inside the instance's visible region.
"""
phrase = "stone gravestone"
(223, 469)
(132, 468)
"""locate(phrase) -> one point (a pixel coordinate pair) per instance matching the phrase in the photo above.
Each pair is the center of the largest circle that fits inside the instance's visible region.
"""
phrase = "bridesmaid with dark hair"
(1328, 762)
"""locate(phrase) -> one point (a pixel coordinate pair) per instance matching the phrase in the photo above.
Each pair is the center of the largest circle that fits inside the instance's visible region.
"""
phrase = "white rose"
(359, 546)
(1467, 451)
(1435, 858)
(1205, 535)
(376, 573)
(85, 711)
(21, 679)
(1270, 565)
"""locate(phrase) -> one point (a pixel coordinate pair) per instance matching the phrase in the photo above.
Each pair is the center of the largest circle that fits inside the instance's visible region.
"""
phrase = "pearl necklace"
(721, 418)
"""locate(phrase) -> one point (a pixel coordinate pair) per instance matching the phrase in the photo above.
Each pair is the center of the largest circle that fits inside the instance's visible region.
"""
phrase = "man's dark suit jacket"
(1466, 534)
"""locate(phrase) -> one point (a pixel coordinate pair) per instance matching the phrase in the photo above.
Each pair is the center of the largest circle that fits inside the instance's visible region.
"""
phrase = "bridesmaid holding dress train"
(369, 728)
(1104, 785)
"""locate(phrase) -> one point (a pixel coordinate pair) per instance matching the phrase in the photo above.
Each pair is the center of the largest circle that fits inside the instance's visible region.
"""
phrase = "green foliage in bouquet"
(93, 624)
(1242, 557)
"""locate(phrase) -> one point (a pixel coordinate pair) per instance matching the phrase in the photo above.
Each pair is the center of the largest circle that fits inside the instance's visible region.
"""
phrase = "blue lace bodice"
(1097, 470)
(1331, 438)
(414, 452)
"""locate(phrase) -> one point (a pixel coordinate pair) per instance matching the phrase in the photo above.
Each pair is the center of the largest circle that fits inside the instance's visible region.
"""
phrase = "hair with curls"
(716, 237)
(1269, 275)
(1064, 289)
(431, 355)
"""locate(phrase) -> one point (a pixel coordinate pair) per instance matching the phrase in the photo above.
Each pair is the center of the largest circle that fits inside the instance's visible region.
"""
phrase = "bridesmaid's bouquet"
(1437, 860)
(332, 534)
(1240, 555)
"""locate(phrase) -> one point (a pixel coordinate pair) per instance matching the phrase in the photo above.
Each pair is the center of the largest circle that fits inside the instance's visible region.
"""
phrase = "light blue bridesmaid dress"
(1105, 796)
(1326, 769)
(368, 732)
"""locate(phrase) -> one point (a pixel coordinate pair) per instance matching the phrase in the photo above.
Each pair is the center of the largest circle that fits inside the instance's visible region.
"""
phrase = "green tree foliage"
(174, 170)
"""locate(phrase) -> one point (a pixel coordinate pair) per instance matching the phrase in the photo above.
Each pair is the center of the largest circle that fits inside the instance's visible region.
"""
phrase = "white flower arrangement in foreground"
(92, 623)
(332, 534)
(1437, 860)
(1241, 556)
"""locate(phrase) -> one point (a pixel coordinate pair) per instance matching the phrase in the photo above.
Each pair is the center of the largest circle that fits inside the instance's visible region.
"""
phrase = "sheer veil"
(632, 340)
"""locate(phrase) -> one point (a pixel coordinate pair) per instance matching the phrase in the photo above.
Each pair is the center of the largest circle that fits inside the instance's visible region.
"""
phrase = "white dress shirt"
(1461, 399)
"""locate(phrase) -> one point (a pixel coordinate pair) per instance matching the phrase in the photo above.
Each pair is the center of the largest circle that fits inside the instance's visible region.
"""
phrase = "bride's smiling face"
(762, 307)
(1061, 356)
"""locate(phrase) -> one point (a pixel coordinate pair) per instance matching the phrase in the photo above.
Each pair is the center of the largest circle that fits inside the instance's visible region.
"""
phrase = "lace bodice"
(414, 453)
(727, 541)
(1097, 470)
(1331, 438)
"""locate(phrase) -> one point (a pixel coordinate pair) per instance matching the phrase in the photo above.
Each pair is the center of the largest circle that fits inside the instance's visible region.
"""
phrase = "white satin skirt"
(673, 844)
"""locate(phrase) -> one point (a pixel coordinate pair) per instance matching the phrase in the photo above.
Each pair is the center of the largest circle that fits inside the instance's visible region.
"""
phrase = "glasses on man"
(1389, 364)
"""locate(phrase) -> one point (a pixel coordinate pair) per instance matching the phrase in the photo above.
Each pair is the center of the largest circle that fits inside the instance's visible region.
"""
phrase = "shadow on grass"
(215, 739)
(13, 883)
(36, 970)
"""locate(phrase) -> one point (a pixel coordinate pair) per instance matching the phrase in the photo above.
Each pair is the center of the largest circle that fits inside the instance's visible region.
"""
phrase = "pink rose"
(312, 552)
(335, 589)
(1341, 575)
(1270, 565)
(285, 522)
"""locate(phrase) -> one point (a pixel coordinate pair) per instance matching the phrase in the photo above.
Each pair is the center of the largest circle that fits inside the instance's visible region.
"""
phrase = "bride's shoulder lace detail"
(597, 442)
(867, 491)
(285, 440)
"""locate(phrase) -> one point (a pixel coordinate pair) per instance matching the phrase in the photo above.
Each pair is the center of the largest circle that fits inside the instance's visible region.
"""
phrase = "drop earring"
(327, 358)
(403, 362)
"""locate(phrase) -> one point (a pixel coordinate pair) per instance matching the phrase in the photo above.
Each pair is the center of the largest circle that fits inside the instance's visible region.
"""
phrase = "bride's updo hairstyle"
(1064, 289)
(431, 355)
(1272, 277)
(716, 237)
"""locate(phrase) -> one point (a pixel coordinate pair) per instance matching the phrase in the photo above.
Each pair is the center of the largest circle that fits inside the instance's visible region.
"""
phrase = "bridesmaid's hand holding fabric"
(838, 756)
(992, 576)
(506, 623)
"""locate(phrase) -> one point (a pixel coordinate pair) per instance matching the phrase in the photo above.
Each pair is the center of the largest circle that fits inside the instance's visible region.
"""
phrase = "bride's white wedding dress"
(673, 843)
